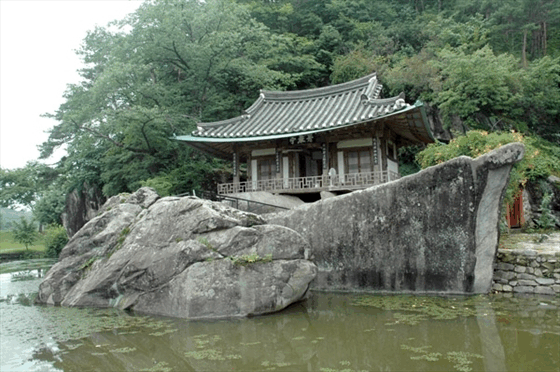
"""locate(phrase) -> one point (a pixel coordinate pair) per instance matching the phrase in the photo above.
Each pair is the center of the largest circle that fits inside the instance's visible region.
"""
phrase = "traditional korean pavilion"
(337, 138)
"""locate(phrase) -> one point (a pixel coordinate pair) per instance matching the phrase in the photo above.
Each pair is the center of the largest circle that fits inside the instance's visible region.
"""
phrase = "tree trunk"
(524, 50)
(544, 39)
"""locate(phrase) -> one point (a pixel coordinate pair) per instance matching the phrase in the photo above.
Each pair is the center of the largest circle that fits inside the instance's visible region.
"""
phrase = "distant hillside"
(7, 216)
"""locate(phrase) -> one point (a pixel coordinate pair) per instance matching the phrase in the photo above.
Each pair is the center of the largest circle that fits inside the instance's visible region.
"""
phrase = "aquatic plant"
(462, 360)
(431, 357)
(410, 319)
(418, 350)
(429, 307)
(123, 350)
(158, 367)
(163, 333)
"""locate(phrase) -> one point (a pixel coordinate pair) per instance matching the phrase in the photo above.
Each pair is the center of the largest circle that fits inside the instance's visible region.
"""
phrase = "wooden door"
(514, 216)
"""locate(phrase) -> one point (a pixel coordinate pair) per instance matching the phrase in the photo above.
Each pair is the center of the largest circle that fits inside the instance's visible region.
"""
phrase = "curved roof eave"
(199, 139)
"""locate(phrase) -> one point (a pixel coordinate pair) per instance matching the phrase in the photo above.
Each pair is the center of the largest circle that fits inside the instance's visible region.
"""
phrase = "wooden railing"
(352, 181)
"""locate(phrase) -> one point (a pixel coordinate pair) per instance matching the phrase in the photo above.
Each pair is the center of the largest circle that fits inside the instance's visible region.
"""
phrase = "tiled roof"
(275, 113)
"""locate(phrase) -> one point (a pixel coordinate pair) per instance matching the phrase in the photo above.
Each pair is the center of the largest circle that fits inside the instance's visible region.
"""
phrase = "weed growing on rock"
(206, 243)
(88, 263)
(250, 259)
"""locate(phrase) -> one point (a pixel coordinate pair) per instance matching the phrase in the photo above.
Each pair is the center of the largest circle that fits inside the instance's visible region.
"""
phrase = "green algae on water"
(439, 308)
(158, 367)
(461, 360)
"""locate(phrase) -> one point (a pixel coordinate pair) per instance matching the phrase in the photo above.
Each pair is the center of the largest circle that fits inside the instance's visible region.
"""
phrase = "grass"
(8, 245)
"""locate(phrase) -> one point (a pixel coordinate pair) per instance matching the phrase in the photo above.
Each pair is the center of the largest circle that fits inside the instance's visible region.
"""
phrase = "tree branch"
(116, 143)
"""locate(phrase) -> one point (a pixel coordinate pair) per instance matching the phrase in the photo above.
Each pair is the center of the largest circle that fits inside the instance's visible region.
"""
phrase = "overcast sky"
(37, 60)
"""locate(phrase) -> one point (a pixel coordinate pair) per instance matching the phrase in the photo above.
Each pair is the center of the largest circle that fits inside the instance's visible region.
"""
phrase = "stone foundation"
(527, 271)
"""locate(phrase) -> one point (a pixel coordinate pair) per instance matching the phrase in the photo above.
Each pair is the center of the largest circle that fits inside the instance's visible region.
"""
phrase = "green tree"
(182, 62)
(21, 186)
(37, 187)
(541, 98)
(25, 232)
(482, 88)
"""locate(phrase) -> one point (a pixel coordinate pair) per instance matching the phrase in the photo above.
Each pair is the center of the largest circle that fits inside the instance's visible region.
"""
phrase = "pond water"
(327, 332)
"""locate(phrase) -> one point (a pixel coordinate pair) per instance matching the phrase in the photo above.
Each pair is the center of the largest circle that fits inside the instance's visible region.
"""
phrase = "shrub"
(547, 220)
(541, 158)
(55, 239)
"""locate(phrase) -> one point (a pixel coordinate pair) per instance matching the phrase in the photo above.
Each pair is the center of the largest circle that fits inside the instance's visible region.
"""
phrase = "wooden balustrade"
(352, 181)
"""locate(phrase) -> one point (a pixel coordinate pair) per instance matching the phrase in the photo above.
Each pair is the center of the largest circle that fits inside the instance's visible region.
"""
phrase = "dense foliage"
(541, 158)
(485, 65)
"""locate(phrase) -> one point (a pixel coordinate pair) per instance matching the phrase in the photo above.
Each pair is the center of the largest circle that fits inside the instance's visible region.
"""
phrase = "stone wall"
(527, 271)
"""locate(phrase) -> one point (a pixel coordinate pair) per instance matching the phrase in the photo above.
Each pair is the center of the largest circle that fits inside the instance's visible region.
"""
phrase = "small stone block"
(524, 282)
(520, 269)
(524, 289)
(556, 288)
(526, 276)
(505, 266)
(538, 272)
(545, 281)
(544, 290)
(498, 287)
(508, 288)
(509, 275)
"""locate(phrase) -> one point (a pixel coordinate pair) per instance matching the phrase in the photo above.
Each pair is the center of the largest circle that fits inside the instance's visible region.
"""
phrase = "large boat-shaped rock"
(432, 232)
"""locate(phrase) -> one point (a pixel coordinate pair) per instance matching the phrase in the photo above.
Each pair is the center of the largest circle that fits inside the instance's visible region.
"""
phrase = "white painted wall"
(263, 152)
(340, 158)
(392, 166)
(361, 142)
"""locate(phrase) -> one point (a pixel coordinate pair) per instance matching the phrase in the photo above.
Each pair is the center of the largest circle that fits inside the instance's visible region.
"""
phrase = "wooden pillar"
(235, 165)
(325, 154)
(278, 164)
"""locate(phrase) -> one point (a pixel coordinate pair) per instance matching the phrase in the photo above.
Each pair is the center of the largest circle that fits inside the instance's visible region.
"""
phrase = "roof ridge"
(383, 101)
(276, 95)
(221, 122)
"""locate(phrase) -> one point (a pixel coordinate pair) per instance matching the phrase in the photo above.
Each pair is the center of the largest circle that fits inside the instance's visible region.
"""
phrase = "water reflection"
(328, 332)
